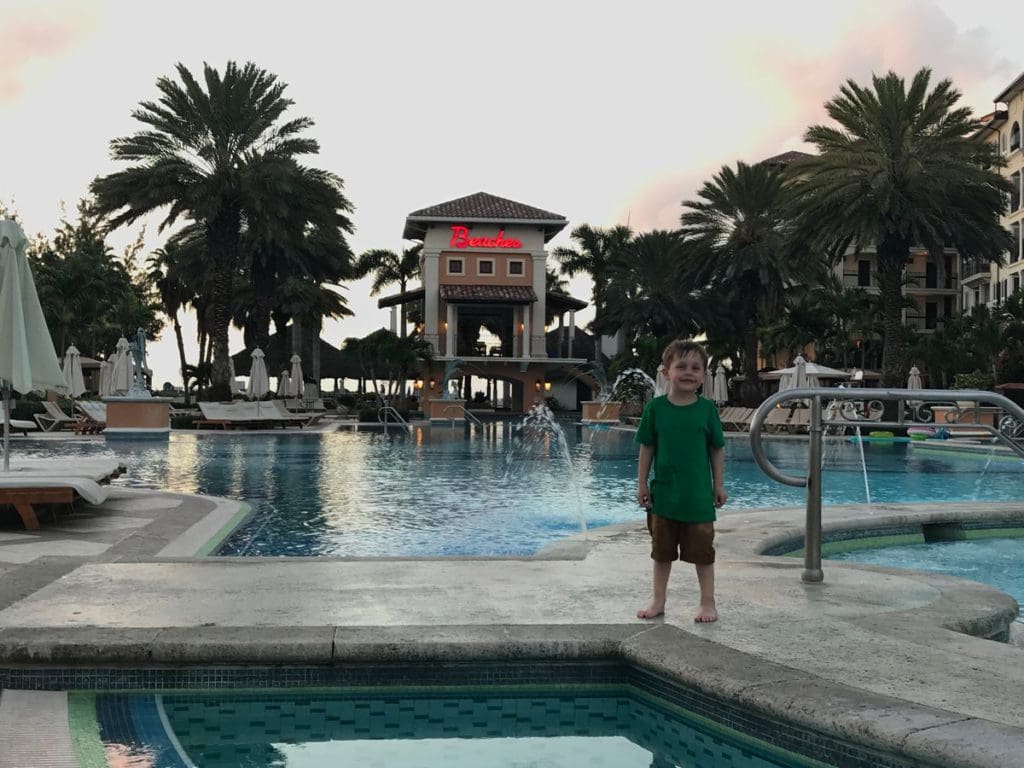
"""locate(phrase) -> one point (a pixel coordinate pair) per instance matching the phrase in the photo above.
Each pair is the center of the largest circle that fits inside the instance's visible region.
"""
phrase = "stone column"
(449, 335)
(430, 270)
(394, 320)
(526, 331)
(538, 343)
(572, 331)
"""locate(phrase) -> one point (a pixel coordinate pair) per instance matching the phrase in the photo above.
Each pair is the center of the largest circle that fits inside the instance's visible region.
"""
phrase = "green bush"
(367, 414)
(974, 380)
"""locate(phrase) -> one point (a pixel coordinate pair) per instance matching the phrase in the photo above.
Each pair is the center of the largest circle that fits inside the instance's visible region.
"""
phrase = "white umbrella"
(709, 384)
(283, 384)
(296, 387)
(719, 387)
(914, 379)
(74, 381)
(104, 385)
(28, 360)
(259, 381)
(121, 373)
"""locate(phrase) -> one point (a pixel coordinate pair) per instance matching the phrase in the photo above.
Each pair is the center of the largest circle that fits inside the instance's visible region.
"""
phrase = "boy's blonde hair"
(681, 348)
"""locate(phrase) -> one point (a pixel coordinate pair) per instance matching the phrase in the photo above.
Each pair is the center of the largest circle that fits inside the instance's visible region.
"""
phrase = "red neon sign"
(461, 239)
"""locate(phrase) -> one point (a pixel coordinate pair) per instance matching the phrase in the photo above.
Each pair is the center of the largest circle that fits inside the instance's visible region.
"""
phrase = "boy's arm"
(643, 469)
(718, 475)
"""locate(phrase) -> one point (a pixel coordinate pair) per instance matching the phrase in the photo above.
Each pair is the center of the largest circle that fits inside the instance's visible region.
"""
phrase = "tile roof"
(786, 158)
(483, 207)
(509, 294)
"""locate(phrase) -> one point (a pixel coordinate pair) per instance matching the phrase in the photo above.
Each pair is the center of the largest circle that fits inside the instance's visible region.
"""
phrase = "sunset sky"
(605, 112)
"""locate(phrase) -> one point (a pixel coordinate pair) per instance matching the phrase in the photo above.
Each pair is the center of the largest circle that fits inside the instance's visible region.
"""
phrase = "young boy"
(681, 434)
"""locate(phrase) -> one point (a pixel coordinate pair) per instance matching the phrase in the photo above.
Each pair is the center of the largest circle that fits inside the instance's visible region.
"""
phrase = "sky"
(605, 112)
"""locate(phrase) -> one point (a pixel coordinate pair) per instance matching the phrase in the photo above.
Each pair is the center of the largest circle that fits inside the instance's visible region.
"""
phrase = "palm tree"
(166, 278)
(899, 170)
(742, 235)
(389, 267)
(222, 158)
(598, 250)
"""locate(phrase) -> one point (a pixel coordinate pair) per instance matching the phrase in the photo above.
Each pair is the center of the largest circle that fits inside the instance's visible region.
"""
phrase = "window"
(1016, 283)
(1015, 248)
(485, 267)
(454, 266)
(931, 275)
(1015, 192)
(947, 307)
(1015, 137)
(863, 272)
(931, 314)
(515, 267)
(948, 262)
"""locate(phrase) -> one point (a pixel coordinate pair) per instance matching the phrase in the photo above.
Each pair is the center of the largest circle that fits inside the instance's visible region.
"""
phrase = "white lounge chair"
(23, 490)
(54, 419)
(18, 425)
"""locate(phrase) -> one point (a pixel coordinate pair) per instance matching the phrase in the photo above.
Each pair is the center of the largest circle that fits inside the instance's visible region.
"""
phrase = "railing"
(386, 411)
(855, 407)
(453, 409)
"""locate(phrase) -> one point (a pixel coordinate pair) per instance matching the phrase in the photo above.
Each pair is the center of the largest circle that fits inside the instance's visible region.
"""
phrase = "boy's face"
(686, 373)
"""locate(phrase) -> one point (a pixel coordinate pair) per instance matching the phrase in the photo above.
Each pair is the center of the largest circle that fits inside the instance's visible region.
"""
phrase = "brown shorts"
(676, 540)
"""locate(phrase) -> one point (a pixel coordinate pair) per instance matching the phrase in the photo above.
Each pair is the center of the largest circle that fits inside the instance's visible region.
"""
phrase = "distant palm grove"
(259, 237)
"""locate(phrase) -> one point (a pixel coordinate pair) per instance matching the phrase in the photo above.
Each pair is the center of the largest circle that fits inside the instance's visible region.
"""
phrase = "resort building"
(486, 311)
(985, 283)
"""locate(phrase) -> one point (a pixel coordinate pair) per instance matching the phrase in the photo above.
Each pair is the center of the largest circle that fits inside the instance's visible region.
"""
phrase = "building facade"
(985, 283)
(486, 309)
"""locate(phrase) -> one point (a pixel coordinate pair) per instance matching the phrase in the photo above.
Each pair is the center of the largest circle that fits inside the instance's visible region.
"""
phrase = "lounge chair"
(18, 425)
(94, 417)
(777, 419)
(736, 418)
(243, 415)
(301, 419)
(24, 490)
(54, 419)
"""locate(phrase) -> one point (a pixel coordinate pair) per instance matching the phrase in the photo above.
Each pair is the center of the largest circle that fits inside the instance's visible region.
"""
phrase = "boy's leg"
(657, 605)
(707, 612)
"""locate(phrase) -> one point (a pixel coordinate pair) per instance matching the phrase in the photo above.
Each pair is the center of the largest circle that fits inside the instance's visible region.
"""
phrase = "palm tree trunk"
(750, 391)
(222, 234)
(893, 254)
(181, 356)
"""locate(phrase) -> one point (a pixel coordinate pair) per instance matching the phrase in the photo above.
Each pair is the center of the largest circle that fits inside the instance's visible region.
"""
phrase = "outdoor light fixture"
(547, 386)
(432, 383)
(419, 384)
(536, 385)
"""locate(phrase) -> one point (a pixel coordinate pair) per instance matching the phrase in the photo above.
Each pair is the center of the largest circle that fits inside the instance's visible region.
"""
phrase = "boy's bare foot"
(652, 611)
(706, 614)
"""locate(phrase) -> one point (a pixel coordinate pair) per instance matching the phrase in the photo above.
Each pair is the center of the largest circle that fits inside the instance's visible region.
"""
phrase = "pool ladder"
(451, 410)
(389, 411)
(864, 408)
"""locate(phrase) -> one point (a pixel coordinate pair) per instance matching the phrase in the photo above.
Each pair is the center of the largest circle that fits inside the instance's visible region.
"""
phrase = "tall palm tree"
(744, 250)
(900, 170)
(165, 275)
(387, 268)
(222, 157)
(598, 249)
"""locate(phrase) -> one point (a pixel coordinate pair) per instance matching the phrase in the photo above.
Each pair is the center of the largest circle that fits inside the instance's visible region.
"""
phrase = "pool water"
(491, 491)
(996, 562)
(595, 727)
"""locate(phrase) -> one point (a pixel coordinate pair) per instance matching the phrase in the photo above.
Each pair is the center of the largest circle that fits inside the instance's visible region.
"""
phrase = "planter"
(601, 412)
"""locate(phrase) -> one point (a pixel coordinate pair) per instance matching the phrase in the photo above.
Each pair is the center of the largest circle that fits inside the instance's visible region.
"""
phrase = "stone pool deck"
(875, 656)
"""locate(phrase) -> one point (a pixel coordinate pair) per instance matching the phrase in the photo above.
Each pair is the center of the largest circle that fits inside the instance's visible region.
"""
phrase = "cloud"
(35, 38)
(796, 75)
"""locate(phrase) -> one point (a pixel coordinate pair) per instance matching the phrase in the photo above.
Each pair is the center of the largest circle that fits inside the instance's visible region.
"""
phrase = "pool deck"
(875, 656)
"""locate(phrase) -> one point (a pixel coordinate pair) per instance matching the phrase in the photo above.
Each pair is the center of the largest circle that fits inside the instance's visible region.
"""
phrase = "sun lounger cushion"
(89, 490)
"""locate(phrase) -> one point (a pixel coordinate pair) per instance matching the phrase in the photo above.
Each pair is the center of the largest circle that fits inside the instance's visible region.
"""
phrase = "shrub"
(974, 380)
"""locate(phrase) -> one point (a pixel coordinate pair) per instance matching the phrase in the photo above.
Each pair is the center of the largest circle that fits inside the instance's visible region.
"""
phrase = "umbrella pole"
(7, 426)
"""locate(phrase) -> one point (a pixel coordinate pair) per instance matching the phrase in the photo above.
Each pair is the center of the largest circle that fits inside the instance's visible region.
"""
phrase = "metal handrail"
(459, 407)
(388, 410)
(1010, 430)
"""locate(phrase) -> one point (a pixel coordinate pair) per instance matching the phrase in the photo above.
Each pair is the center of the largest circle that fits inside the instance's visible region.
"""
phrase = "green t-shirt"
(682, 436)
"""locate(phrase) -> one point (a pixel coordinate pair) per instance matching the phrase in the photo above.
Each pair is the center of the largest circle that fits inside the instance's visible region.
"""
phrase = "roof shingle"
(510, 294)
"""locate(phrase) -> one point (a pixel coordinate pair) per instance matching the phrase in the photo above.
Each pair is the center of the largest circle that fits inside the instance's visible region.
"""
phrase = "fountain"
(539, 437)
(630, 387)
(442, 408)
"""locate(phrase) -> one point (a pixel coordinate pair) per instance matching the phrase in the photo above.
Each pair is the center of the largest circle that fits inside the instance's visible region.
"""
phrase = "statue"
(138, 350)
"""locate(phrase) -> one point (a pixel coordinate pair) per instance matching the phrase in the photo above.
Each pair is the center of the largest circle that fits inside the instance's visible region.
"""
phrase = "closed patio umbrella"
(709, 384)
(74, 381)
(259, 381)
(283, 384)
(104, 385)
(914, 379)
(121, 372)
(296, 386)
(28, 360)
(720, 387)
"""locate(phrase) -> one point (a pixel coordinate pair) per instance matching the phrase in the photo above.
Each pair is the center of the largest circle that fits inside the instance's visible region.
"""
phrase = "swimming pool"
(489, 491)
(992, 561)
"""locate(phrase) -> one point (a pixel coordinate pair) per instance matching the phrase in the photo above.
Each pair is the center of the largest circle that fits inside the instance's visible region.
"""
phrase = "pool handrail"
(465, 412)
(1009, 430)
(388, 410)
